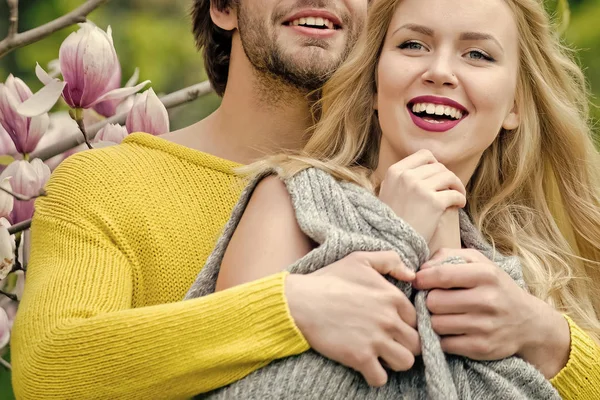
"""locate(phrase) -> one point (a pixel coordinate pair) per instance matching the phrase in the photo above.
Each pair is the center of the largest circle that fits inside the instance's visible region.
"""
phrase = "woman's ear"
(512, 120)
(225, 19)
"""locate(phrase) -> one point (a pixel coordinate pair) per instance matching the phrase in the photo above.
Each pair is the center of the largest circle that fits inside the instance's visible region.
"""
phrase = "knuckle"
(360, 358)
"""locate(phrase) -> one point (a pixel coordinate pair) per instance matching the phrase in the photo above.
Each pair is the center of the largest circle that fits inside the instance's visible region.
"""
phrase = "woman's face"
(446, 81)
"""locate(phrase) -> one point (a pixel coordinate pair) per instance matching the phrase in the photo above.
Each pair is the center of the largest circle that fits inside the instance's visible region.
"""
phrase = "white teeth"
(313, 21)
(437, 109)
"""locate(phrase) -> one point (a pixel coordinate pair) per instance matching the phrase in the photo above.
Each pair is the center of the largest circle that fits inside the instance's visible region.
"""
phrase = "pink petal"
(122, 92)
(42, 101)
(42, 75)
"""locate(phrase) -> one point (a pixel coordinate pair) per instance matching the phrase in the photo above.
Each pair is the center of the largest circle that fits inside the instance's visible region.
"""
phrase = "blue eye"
(479, 55)
(410, 45)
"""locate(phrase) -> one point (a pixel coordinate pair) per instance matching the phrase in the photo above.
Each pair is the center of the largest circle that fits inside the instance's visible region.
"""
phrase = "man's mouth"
(313, 22)
(319, 20)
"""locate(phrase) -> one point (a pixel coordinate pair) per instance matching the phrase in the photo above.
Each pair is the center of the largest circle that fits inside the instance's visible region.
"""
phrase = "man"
(124, 230)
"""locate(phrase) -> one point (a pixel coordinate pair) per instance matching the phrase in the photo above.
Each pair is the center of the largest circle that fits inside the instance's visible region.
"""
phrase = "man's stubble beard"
(277, 70)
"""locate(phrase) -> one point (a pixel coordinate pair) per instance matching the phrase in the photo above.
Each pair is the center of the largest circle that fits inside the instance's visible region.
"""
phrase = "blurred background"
(155, 35)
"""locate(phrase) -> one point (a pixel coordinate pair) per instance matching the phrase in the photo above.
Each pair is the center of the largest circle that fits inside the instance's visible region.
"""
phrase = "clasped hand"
(481, 313)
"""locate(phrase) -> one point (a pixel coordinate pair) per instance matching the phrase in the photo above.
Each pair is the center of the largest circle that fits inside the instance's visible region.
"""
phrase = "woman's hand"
(420, 189)
(481, 313)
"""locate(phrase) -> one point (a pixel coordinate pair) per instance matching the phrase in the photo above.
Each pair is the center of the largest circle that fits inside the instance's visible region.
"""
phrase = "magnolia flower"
(113, 133)
(7, 147)
(148, 114)
(6, 200)
(109, 108)
(7, 252)
(24, 132)
(4, 329)
(28, 179)
(89, 65)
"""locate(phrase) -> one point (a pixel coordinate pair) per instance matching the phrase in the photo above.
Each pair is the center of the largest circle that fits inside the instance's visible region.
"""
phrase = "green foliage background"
(155, 36)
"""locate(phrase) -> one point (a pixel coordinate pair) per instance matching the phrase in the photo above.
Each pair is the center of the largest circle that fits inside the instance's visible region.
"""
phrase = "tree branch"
(20, 227)
(5, 364)
(13, 19)
(18, 40)
(21, 197)
(174, 99)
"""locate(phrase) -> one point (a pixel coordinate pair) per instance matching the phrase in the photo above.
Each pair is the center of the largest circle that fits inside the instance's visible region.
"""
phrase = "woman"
(489, 92)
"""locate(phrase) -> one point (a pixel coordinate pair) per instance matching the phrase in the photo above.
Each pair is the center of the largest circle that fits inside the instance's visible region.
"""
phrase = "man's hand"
(350, 313)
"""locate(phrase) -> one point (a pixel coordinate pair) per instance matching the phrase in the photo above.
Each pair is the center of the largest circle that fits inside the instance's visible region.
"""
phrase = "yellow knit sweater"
(116, 244)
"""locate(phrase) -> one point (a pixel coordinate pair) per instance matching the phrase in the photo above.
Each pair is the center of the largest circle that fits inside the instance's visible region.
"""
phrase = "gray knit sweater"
(342, 218)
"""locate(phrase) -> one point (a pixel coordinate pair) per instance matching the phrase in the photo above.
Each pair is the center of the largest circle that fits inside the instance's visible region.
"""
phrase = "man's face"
(301, 42)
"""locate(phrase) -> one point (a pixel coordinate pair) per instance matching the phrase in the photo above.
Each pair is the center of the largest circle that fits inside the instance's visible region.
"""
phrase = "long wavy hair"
(536, 190)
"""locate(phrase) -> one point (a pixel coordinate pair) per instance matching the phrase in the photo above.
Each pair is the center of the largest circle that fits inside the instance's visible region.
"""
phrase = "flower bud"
(113, 133)
(25, 132)
(148, 114)
(28, 179)
(90, 68)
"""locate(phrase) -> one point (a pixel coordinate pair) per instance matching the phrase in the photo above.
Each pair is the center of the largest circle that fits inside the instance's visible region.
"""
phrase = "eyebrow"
(465, 36)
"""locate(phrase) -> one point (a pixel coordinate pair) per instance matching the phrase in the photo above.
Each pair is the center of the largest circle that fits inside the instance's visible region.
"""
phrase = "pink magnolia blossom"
(7, 146)
(7, 249)
(108, 108)
(113, 133)
(28, 178)
(148, 114)
(4, 329)
(6, 200)
(89, 65)
(25, 132)
(62, 126)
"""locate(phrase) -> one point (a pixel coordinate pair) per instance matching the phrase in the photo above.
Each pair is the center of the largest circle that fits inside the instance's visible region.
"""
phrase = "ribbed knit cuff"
(580, 378)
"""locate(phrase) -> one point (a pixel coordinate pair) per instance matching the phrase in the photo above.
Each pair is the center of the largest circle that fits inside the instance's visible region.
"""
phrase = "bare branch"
(20, 227)
(18, 40)
(13, 19)
(11, 296)
(174, 99)
(21, 197)
(5, 364)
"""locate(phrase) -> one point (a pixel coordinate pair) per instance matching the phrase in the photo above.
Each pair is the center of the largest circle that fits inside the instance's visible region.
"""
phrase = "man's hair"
(214, 41)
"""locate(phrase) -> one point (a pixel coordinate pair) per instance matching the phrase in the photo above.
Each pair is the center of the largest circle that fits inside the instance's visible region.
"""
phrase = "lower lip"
(313, 32)
(434, 126)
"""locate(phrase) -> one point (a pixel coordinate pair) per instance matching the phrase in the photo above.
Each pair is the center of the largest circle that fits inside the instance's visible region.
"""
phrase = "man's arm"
(76, 335)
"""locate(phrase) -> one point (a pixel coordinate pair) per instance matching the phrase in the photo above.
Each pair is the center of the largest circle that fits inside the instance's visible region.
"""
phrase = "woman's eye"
(478, 55)
(411, 46)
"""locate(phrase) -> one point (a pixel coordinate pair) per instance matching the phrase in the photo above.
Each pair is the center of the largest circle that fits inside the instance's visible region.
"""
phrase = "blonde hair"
(544, 206)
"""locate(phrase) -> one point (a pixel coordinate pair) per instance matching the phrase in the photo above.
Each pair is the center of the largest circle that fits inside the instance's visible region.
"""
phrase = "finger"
(445, 180)
(474, 347)
(406, 310)
(450, 276)
(452, 324)
(408, 337)
(415, 160)
(389, 263)
(373, 373)
(451, 198)
(426, 171)
(396, 356)
(442, 301)
(469, 255)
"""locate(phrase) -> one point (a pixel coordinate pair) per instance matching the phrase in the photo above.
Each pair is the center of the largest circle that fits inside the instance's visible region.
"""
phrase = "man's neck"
(258, 116)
